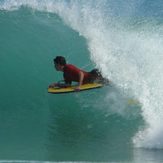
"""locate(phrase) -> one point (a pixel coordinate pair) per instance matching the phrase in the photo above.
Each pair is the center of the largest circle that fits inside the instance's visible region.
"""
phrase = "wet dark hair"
(59, 60)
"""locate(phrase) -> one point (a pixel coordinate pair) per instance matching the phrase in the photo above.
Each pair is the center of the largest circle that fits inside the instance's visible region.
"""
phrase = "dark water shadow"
(83, 127)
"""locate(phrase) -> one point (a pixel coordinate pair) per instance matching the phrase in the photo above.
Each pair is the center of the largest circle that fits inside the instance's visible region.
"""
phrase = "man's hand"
(77, 89)
(53, 85)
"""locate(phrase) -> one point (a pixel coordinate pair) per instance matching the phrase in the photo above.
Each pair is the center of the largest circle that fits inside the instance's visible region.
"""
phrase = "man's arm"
(81, 77)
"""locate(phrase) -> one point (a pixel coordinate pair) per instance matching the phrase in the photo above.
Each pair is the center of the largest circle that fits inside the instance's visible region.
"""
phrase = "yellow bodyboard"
(57, 90)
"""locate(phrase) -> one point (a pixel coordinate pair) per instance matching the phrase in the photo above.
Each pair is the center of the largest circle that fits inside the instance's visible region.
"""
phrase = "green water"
(28, 43)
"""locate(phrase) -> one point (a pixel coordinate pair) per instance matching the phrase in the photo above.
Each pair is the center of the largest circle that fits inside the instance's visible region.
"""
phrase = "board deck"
(57, 90)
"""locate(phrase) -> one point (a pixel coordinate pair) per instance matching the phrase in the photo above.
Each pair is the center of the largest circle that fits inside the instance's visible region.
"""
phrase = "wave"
(127, 51)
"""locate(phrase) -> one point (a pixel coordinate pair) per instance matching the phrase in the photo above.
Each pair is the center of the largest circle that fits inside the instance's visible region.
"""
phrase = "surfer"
(73, 74)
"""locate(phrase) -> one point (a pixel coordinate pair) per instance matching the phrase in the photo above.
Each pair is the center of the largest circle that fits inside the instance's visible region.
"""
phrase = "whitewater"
(124, 41)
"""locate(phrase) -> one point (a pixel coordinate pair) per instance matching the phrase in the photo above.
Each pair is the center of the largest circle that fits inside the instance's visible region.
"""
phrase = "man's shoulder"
(71, 66)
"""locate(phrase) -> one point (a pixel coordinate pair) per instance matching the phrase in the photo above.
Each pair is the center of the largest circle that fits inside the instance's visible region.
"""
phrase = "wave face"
(123, 39)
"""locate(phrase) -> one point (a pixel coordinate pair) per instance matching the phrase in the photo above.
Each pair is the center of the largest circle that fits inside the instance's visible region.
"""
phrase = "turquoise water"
(117, 123)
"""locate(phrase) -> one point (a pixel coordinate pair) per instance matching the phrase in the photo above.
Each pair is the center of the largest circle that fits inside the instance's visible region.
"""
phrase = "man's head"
(59, 63)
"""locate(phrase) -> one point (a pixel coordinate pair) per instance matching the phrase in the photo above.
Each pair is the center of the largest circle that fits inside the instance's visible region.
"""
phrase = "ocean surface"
(122, 122)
